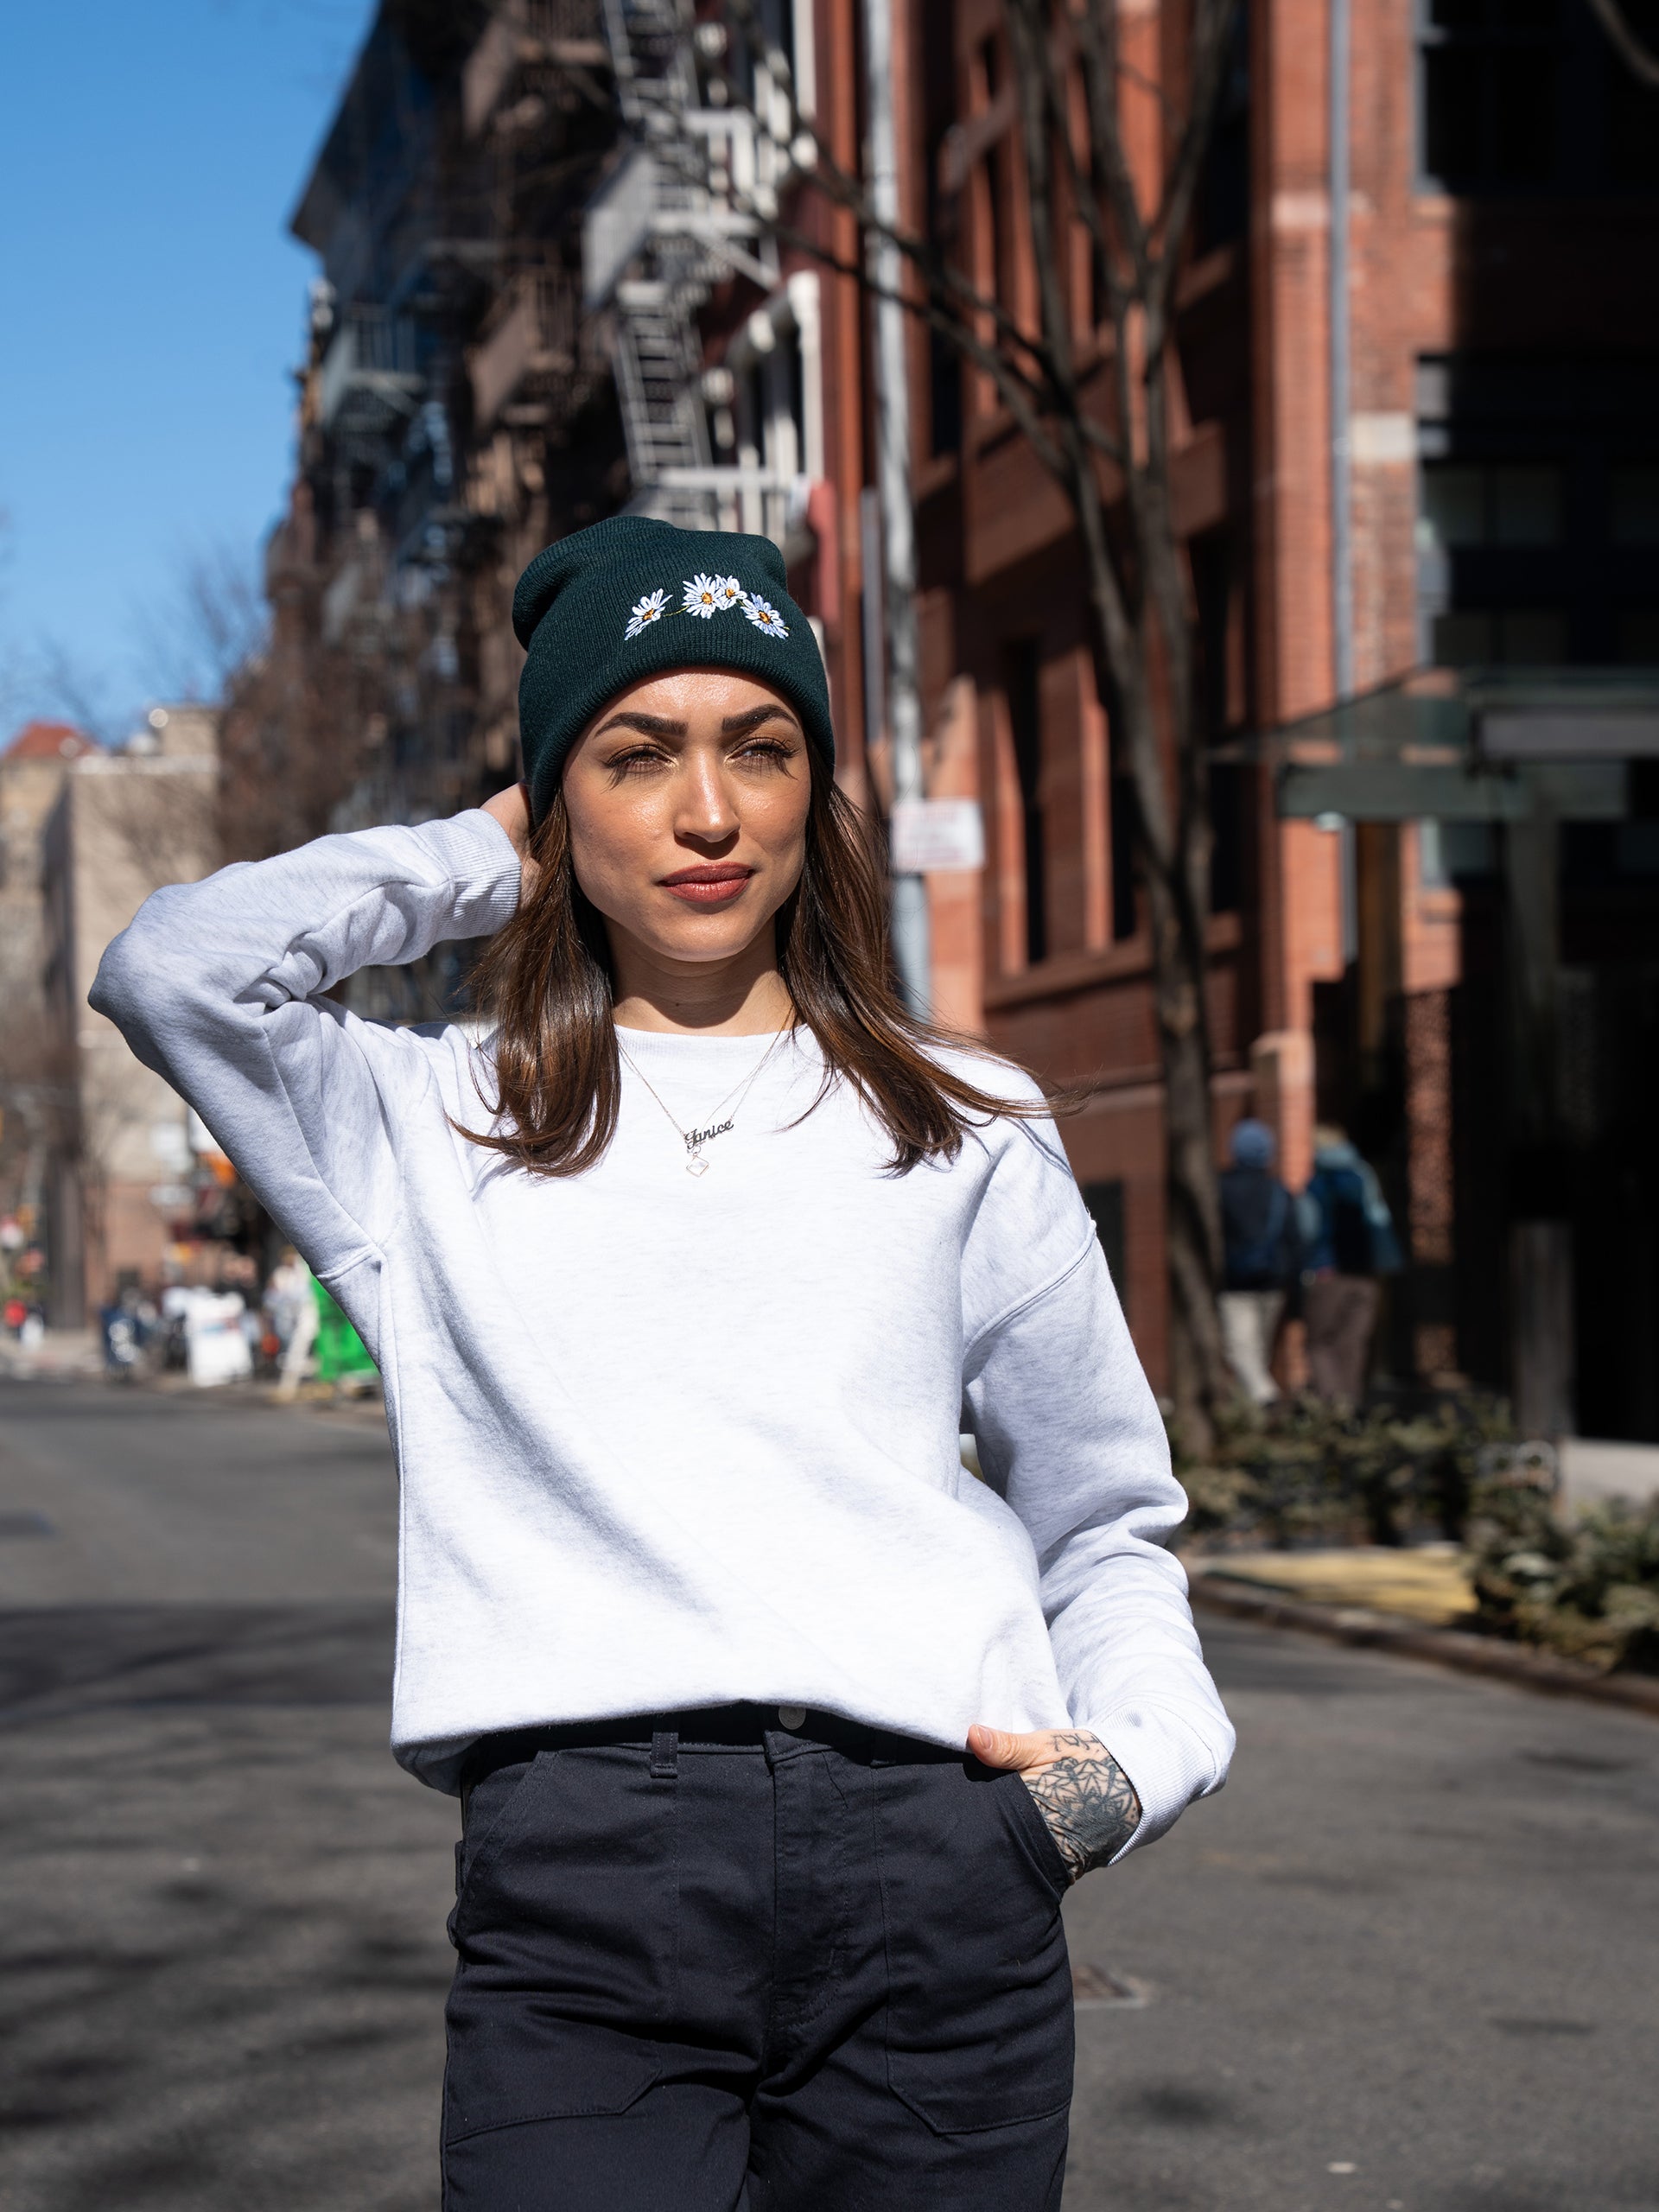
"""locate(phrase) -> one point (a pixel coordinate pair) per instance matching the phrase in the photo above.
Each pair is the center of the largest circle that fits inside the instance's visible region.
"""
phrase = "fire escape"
(676, 217)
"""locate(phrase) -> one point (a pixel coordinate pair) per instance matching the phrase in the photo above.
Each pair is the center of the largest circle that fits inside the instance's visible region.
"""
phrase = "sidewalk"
(59, 1354)
(1429, 1583)
(1415, 1602)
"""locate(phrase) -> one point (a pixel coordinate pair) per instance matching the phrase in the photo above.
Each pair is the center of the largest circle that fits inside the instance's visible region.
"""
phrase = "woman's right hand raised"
(511, 808)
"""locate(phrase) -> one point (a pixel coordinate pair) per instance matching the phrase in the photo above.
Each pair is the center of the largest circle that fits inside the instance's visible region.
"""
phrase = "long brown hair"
(544, 986)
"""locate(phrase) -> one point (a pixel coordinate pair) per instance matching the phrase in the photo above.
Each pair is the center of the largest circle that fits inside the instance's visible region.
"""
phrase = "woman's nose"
(706, 811)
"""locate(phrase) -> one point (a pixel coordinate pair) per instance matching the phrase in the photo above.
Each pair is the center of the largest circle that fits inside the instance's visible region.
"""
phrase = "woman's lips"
(707, 886)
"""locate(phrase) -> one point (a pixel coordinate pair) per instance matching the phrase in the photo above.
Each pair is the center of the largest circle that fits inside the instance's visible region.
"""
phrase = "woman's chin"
(703, 937)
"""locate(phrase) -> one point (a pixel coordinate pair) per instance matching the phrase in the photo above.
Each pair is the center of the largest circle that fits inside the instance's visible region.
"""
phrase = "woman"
(778, 1736)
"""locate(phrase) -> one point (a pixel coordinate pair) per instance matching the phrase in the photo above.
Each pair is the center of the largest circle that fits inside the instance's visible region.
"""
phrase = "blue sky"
(150, 154)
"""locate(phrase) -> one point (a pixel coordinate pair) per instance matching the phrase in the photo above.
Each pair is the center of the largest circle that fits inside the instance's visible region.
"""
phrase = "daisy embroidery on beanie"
(731, 592)
(644, 612)
(764, 614)
(705, 596)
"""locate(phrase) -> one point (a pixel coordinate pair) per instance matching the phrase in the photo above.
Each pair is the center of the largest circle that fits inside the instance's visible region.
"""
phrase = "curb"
(1541, 1671)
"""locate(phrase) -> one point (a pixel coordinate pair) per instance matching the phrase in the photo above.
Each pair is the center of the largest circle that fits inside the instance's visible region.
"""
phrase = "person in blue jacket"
(1261, 1257)
(1350, 1242)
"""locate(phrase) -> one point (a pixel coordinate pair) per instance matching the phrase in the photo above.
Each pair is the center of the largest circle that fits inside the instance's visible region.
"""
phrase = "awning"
(1483, 744)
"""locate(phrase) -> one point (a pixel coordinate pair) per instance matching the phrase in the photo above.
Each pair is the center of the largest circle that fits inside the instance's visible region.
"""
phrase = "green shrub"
(1303, 1471)
(1589, 1591)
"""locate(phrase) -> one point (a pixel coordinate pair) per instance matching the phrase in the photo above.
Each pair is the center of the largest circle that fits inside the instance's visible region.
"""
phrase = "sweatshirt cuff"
(1166, 1760)
(478, 856)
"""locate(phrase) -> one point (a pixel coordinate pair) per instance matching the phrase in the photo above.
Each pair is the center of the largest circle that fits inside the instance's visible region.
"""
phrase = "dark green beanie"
(630, 598)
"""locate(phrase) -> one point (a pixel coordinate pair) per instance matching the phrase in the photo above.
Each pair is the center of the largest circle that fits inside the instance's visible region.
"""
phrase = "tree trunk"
(1174, 847)
(1197, 1367)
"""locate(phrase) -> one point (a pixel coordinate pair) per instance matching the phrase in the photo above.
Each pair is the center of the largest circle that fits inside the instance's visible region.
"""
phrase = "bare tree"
(209, 622)
(1095, 406)
(75, 690)
(39, 1100)
(296, 732)
(12, 677)
(1642, 64)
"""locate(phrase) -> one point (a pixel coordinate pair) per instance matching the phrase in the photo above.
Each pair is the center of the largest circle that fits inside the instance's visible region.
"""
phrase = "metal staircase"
(676, 234)
(657, 372)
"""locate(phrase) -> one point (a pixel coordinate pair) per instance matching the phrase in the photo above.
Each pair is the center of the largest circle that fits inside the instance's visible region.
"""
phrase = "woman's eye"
(636, 763)
(769, 753)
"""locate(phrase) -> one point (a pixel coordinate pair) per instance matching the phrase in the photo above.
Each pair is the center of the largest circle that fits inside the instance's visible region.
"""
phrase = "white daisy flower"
(644, 612)
(731, 592)
(703, 597)
(764, 614)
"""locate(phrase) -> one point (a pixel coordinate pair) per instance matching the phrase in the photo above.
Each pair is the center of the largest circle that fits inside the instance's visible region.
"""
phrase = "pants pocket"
(573, 1895)
(486, 1827)
(980, 2021)
(1026, 1816)
(512, 2062)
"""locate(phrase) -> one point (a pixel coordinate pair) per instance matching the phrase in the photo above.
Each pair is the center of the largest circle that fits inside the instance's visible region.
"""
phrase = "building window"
(1467, 504)
(1527, 637)
(1538, 510)
(1208, 561)
(999, 174)
(1450, 853)
(1224, 203)
(1633, 503)
(1490, 80)
(944, 394)
(1632, 133)
(1126, 916)
(1489, 535)
(1104, 1202)
(1023, 677)
(939, 97)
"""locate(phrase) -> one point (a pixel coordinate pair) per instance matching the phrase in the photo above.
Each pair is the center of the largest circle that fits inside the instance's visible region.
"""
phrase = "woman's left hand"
(1086, 1798)
(511, 808)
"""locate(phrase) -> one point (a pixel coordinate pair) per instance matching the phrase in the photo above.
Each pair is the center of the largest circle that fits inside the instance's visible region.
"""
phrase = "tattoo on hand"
(1087, 1799)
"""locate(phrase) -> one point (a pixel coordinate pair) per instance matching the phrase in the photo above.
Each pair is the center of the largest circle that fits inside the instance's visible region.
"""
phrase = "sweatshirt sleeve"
(1070, 1434)
(217, 986)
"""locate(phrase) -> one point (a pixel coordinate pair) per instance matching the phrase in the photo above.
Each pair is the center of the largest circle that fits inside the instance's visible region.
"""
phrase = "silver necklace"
(696, 1162)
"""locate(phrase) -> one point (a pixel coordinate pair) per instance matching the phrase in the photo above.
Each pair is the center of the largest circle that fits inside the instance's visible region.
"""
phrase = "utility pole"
(910, 934)
(1339, 317)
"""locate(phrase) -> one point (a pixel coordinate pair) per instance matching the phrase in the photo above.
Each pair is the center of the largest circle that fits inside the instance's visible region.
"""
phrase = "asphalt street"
(1409, 1962)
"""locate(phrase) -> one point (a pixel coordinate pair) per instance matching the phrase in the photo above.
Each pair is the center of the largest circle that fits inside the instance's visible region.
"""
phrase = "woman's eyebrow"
(739, 725)
(648, 725)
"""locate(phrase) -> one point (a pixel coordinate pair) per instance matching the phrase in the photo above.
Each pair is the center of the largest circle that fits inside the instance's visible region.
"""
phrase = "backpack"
(1359, 1246)
(1351, 1248)
(1257, 1257)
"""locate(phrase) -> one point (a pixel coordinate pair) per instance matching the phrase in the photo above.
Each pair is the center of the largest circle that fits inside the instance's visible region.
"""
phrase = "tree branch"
(1023, 396)
(1641, 65)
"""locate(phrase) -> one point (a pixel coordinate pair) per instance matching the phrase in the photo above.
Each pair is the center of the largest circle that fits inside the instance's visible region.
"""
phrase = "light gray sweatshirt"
(668, 1440)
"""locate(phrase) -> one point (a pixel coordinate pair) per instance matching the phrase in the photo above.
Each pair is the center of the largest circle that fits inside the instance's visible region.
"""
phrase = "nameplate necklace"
(694, 1139)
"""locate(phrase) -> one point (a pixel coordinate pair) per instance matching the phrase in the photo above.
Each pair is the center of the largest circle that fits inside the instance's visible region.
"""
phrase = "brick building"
(1412, 438)
(1420, 442)
(455, 412)
(121, 1175)
(34, 1082)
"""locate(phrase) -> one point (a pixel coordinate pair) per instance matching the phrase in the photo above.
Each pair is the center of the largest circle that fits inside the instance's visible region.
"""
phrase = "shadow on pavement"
(55, 1661)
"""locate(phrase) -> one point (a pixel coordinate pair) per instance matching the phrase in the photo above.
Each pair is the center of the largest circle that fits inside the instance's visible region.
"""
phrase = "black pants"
(707, 1964)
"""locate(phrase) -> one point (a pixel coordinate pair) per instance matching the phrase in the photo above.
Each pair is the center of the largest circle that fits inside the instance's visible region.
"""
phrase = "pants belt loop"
(665, 1755)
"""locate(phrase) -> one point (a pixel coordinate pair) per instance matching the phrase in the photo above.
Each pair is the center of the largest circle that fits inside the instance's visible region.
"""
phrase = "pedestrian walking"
(1349, 1239)
(778, 1737)
(1260, 1258)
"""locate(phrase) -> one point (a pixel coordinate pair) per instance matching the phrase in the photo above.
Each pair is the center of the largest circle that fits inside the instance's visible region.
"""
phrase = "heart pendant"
(698, 1165)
